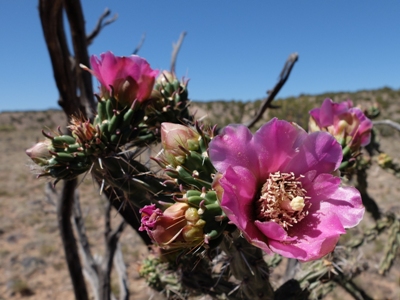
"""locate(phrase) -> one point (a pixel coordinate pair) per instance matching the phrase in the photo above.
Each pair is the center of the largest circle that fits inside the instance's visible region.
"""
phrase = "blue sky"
(234, 49)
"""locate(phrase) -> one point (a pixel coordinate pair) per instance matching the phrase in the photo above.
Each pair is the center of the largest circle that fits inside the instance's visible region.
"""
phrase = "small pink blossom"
(277, 187)
(131, 77)
(39, 153)
(179, 226)
(346, 123)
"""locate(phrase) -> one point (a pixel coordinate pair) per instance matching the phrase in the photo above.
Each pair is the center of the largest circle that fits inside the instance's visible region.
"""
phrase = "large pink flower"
(278, 188)
(131, 77)
(346, 123)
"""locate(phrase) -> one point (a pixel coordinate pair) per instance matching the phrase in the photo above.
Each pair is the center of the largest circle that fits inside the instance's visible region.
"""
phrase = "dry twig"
(175, 49)
(283, 76)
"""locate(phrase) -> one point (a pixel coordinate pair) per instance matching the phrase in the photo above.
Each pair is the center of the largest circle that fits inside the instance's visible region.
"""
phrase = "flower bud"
(176, 139)
(165, 78)
(39, 153)
(179, 226)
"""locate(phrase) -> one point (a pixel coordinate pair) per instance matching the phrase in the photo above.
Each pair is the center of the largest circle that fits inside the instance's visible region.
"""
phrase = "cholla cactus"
(125, 96)
(223, 200)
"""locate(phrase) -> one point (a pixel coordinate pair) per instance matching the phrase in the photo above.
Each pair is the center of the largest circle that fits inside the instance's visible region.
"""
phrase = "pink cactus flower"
(277, 187)
(131, 77)
(346, 123)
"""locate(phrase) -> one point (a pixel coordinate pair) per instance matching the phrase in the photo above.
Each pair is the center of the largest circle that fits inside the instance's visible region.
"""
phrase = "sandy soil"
(32, 262)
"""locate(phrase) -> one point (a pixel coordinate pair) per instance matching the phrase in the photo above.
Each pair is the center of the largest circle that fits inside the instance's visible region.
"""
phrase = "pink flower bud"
(39, 153)
(174, 137)
(179, 226)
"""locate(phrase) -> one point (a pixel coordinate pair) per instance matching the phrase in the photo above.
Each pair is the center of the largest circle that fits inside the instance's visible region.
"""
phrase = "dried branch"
(53, 29)
(283, 76)
(64, 212)
(130, 213)
(101, 23)
(175, 49)
(140, 44)
(74, 101)
(97, 274)
(84, 80)
(111, 238)
(89, 264)
(88, 261)
(121, 271)
(389, 123)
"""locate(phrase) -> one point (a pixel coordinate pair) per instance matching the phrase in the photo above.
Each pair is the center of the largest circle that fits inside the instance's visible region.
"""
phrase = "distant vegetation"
(296, 109)
(223, 112)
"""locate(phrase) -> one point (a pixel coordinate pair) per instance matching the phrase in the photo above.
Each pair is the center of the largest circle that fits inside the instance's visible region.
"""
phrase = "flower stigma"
(283, 200)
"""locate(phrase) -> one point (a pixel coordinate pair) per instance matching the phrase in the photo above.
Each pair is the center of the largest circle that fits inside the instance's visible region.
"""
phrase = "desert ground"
(32, 264)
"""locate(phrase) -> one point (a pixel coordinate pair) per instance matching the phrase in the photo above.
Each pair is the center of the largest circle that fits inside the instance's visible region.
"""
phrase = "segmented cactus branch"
(248, 267)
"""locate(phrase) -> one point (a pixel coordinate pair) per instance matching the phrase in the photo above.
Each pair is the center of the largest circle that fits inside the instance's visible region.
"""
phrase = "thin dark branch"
(391, 123)
(64, 212)
(175, 49)
(83, 78)
(51, 16)
(101, 23)
(283, 76)
(89, 263)
(111, 241)
(140, 44)
(54, 34)
(130, 213)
